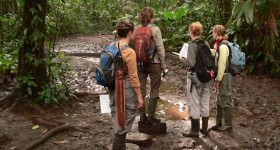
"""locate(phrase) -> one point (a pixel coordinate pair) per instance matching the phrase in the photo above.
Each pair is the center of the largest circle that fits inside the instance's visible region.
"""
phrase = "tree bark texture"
(225, 11)
(1, 24)
(33, 9)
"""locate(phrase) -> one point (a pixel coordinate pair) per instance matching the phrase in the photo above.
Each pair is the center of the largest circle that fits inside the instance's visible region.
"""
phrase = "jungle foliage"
(252, 24)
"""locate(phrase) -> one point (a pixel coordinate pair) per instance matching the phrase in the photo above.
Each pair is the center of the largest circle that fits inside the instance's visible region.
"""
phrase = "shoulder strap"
(123, 47)
(120, 48)
(230, 56)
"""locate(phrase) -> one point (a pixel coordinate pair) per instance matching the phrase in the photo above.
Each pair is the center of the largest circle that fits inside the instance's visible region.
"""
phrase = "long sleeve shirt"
(157, 37)
(192, 52)
(160, 55)
(222, 61)
(129, 57)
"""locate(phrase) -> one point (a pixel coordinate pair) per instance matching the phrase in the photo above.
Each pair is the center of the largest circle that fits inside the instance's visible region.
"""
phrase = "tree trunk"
(33, 46)
(225, 11)
(15, 4)
(1, 25)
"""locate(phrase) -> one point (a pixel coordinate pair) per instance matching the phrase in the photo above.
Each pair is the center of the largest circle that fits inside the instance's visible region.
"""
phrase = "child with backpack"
(200, 64)
(150, 52)
(223, 81)
(133, 97)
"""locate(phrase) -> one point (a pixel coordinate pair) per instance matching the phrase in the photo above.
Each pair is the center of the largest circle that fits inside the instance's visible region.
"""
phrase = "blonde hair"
(220, 31)
(196, 28)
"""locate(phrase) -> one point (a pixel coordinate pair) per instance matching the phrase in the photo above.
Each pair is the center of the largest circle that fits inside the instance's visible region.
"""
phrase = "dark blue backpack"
(105, 72)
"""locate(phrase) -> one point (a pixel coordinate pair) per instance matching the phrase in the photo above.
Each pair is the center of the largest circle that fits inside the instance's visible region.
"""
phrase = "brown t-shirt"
(129, 57)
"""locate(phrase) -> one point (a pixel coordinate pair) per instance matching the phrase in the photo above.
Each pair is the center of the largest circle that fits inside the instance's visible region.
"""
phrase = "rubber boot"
(228, 120)
(219, 117)
(143, 117)
(195, 125)
(204, 129)
(151, 110)
(119, 142)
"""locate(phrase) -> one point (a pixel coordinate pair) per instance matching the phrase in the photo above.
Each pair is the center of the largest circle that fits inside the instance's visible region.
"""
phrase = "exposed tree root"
(47, 122)
(53, 132)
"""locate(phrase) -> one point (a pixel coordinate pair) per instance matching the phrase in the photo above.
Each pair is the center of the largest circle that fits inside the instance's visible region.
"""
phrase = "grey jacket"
(192, 52)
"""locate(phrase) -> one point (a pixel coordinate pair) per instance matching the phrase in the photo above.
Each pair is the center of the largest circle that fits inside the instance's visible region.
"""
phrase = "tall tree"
(32, 70)
(225, 10)
(1, 24)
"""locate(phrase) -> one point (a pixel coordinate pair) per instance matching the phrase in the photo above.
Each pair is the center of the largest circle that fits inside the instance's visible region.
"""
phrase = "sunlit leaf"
(35, 127)
(180, 13)
(61, 55)
(168, 14)
(65, 114)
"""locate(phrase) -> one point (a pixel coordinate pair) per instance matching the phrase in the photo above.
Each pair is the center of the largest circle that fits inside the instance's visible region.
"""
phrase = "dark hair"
(147, 15)
(123, 28)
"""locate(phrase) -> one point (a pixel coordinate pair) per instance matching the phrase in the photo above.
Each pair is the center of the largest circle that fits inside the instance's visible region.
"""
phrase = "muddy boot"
(228, 120)
(151, 110)
(204, 129)
(219, 117)
(119, 142)
(143, 117)
(195, 125)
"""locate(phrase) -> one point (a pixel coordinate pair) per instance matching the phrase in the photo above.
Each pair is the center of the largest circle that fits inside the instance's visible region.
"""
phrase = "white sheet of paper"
(105, 103)
(175, 53)
(184, 51)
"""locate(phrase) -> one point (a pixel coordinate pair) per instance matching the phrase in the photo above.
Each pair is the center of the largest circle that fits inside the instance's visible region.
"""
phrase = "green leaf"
(5, 61)
(248, 9)
(25, 32)
(58, 87)
(61, 55)
(29, 91)
(168, 14)
(35, 127)
(180, 13)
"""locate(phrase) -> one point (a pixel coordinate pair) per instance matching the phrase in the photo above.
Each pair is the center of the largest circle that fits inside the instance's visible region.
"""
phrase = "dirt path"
(256, 111)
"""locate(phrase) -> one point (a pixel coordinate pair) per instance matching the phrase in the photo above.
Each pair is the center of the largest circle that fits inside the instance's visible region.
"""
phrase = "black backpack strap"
(120, 48)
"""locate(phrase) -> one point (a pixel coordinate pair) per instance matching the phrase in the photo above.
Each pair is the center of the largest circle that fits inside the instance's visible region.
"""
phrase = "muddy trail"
(256, 123)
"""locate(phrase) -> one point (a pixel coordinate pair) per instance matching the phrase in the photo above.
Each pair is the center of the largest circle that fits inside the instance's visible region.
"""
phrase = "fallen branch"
(53, 132)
